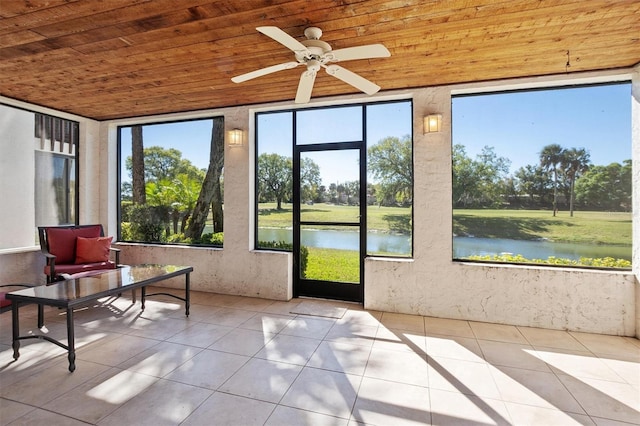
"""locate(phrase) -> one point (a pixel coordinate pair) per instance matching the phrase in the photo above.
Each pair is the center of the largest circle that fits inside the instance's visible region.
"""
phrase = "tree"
(211, 192)
(333, 193)
(550, 159)
(532, 181)
(321, 196)
(464, 178)
(137, 166)
(275, 177)
(481, 181)
(162, 163)
(309, 179)
(491, 172)
(606, 187)
(390, 163)
(163, 172)
(159, 195)
(575, 161)
(352, 189)
(182, 195)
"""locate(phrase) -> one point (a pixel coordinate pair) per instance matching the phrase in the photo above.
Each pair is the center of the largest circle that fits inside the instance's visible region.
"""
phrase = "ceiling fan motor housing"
(317, 50)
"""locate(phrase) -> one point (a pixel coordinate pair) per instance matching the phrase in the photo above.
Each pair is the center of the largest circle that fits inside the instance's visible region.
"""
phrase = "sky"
(517, 125)
(342, 124)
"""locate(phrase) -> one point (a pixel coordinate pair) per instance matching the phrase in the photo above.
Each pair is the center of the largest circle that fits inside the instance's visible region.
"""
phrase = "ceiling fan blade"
(360, 52)
(264, 71)
(285, 39)
(353, 79)
(303, 95)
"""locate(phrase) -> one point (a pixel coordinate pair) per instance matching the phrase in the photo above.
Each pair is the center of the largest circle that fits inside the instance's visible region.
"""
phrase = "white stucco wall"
(22, 266)
(16, 157)
(635, 140)
(433, 285)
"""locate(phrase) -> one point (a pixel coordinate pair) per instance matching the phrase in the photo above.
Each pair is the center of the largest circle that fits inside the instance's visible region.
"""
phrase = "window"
(543, 176)
(38, 168)
(274, 184)
(56, 142)
(385, 128)
(171, 182)
(55, 189)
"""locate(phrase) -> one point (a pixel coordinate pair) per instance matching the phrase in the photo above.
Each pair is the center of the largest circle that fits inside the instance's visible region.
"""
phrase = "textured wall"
(256, 274)
(22, 267)
(635, 136)
(432, 284)
(16, 157)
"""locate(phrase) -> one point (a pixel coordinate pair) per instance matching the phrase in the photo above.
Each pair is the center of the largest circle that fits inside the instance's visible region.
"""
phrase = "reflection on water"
(343, 240)
(462, 246)
(468, 246)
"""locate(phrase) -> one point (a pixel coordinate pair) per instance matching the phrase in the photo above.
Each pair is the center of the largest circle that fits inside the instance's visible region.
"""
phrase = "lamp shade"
(432, 123)
(236, 137)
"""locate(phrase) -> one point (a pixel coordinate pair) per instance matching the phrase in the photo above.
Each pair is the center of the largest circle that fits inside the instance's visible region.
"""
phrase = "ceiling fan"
(316, 54)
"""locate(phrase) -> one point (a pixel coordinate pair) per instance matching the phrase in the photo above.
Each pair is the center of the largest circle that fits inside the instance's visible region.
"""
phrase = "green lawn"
(583, 227)
(333, 265)
(386, 219)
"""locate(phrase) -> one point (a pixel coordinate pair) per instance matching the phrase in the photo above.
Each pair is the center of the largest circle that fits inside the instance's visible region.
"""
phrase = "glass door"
(329, 213)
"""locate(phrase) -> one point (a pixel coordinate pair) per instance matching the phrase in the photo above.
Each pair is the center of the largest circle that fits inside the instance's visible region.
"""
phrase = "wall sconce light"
(432, 123)
(236, 137)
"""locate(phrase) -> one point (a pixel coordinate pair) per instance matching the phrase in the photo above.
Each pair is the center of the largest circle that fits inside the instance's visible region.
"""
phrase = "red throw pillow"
(61, 242)
(92, 250)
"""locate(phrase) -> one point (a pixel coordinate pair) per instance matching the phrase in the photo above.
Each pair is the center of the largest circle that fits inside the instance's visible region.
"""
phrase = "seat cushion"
(3, 301)
(74, 269)
(92, 250)
(62, 241)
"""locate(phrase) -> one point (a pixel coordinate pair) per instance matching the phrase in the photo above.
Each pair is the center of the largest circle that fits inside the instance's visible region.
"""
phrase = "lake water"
(467, 246)
(344, 240)
(462, 246)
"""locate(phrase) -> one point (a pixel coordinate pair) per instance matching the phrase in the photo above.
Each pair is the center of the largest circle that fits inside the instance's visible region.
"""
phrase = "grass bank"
(384, 219)
(582, 228)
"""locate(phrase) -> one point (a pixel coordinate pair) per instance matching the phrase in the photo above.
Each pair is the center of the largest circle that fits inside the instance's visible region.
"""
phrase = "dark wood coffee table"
(79, 292)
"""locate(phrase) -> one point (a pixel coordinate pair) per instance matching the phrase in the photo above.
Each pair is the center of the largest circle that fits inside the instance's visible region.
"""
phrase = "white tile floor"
(243, 361)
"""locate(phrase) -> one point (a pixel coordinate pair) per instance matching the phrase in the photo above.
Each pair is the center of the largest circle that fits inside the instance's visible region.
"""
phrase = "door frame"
(329, 289)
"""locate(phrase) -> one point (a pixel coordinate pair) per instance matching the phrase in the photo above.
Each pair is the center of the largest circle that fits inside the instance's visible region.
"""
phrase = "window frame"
(65, 132)
(364, 106)
(118, 188)
(541, 87)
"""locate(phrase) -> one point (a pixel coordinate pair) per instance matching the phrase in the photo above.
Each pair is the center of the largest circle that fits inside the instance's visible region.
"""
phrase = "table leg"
(187, 298)
(15, 329)
(71, 340)
(143, 293)
(40, 316)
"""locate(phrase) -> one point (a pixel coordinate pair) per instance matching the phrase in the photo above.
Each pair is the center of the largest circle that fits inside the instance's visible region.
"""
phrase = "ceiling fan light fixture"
(316, 54)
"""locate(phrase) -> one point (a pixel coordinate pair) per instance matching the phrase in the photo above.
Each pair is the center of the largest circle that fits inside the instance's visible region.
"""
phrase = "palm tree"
(550, 159)
(575, 162)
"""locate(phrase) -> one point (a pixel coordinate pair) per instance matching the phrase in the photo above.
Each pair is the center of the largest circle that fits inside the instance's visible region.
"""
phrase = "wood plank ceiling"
(125, 58)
